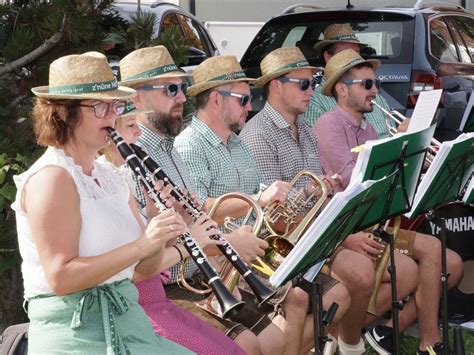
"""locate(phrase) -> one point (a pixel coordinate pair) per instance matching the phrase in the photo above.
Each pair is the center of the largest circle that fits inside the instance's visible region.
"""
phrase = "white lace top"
(107, 221)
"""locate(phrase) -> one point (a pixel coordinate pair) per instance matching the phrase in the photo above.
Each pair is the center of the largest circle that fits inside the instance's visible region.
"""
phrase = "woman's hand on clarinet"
(166, 226)
(202, 230)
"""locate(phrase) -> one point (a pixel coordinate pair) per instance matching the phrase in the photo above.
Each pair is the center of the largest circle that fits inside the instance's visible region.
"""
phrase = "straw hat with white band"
(217, 71)
(341, 63)
(82, 76)
(281, 61)
(146, 64)
(335, 33)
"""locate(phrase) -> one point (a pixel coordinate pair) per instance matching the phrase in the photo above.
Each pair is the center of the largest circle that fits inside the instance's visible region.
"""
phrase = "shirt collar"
(155, 140)
(349, 119)
(211, 136)
(278, 119)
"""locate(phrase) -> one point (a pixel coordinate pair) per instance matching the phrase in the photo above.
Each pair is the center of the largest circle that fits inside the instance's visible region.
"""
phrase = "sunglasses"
(244, 99)
(304, 84)
(101, 109)
(171, 89)
(367, 83)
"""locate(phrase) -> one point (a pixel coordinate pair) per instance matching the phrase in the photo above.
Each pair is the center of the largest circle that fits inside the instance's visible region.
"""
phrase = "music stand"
(446, 176)
(342, 216)
(402, 156)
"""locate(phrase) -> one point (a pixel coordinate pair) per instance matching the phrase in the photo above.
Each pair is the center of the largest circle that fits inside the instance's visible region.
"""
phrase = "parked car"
(199, 43)
(426, 47)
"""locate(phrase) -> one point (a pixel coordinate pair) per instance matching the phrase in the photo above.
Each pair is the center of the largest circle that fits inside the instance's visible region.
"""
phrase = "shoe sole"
(375, 345)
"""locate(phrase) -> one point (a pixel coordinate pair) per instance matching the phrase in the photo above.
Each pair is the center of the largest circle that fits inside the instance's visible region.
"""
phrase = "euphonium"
(284, 221)
(261, 292)
(381, 266)
(228, 303)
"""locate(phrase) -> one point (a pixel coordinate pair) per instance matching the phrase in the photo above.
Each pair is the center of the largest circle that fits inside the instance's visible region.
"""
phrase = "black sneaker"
(437, 348)
(380, 339)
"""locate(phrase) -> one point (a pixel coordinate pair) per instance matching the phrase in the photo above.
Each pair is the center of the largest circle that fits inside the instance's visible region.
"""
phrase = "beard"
(166, 123)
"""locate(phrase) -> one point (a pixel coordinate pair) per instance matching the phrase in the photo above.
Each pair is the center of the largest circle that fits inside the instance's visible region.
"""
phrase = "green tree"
(32, 35)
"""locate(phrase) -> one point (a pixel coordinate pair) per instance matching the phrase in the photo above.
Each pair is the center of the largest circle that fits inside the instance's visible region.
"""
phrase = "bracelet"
(179, 252)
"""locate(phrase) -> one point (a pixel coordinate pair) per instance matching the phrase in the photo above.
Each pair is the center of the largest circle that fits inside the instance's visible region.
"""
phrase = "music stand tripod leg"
(321, 319)
(444, 280)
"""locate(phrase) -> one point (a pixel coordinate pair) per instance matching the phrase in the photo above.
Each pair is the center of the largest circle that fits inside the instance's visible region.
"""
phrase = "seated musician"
(220, 163)
(167, 319)
(283, 145)
(352, 81)
(80, 236)
(160, 89)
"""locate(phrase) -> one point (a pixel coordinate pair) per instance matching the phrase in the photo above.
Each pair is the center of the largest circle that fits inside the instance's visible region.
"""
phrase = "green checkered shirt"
(217, 168)
(321, 104)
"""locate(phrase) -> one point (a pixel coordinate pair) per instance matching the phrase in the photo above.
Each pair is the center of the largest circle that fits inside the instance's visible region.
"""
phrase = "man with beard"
(161, 90)
(352, 82)
(220, 163)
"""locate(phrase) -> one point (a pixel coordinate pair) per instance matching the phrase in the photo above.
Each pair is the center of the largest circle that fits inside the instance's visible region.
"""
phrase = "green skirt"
(106, 319)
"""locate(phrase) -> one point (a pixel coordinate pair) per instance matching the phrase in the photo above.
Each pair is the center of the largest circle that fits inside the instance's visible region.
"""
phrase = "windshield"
(385, 33)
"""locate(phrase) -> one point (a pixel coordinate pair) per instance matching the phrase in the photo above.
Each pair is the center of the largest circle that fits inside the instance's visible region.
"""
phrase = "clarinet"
(261, 292)
(228, 303)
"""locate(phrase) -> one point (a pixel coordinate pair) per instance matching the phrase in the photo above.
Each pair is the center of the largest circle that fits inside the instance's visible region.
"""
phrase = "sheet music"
(469, 194)
(425, 109)
(468, 113)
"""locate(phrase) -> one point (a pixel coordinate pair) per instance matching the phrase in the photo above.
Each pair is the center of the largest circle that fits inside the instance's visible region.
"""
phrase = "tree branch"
(36, 53)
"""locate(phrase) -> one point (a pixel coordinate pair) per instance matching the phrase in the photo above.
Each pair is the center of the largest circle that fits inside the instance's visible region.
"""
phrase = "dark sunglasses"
(304, 84)
(101, 109)
(244, 99)
(367, 83)
(171, 89)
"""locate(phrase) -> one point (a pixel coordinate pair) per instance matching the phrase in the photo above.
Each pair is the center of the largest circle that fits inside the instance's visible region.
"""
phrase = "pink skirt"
(180, 326)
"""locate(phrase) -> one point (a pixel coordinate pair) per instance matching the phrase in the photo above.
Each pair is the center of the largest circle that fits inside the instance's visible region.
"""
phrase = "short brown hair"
(50, 129)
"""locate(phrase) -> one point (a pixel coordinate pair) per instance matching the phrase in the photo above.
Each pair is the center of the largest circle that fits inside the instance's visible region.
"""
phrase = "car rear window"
(386, 33)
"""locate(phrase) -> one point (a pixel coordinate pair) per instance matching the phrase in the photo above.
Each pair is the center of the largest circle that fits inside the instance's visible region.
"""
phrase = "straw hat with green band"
(217, 71)
(341, 63)
(281, 61)
(146, 64)
(82, 76)
(131, 109)
(335, 33)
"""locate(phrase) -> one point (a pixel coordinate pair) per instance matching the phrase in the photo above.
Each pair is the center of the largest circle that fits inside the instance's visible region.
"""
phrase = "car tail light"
(421, 81)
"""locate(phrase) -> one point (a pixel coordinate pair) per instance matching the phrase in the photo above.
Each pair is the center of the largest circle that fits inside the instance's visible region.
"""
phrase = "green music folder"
(446, 176)
(382, 157)
(468, 197)
(342, 216)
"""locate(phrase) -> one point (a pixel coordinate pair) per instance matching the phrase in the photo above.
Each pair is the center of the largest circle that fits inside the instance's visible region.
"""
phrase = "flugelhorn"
(228, 273)
(398, 118)
(284, 221)
(227, 302)
(261, 292)
(381, 266)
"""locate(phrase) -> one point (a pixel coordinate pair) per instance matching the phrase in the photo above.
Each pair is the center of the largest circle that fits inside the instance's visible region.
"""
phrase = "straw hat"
(338, 32)
(146, 64)
(217, 71)
(281, 61)
(131, 109)
(82, 76)
(339, 64)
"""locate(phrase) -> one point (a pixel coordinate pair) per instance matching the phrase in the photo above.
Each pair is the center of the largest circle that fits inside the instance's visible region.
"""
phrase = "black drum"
(460, 238)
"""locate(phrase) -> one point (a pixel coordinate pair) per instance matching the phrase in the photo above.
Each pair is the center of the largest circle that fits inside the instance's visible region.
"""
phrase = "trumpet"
(228, 303)
(261, 292)
(398, 118)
